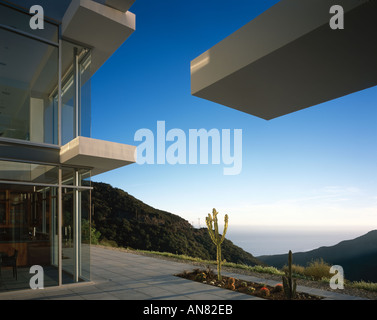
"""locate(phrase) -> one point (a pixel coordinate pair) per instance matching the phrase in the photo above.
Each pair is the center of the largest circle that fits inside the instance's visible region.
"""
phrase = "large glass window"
(28, 77)
(69, 236)
(29, 82)
(76, 228)
(76, 92)
(27, 236)
(85, 96)
(85, 234)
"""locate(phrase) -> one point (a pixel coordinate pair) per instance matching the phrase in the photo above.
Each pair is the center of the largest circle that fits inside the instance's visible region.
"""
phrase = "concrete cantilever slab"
(101, 156)
(99, 27)
(289, 58)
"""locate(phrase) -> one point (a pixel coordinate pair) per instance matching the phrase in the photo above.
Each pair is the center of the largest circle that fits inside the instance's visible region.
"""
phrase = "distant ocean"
(268, 241)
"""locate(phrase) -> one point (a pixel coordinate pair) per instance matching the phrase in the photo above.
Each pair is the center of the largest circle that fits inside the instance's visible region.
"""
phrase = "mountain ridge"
(129, 222)
(357, 256)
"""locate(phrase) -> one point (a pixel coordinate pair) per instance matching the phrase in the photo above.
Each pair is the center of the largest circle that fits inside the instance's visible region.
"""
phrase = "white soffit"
(103, 28)
(289, 58)
(101, 156)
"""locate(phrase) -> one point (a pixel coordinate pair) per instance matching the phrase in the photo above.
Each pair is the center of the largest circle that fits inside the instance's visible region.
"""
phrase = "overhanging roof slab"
(289, 58)
(97, 26)
(101, 156)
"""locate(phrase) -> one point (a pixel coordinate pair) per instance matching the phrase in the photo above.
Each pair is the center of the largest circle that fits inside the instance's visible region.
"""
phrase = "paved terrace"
(118, 275)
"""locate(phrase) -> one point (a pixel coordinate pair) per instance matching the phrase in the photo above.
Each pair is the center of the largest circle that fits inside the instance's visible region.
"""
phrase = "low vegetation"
(315, 270)
(369, 286)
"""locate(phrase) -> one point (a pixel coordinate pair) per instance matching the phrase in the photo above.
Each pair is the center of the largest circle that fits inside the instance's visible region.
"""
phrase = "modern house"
(290, 58)
(47, 155)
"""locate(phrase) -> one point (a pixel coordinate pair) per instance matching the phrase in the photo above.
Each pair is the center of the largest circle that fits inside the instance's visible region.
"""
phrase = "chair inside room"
(10, 261)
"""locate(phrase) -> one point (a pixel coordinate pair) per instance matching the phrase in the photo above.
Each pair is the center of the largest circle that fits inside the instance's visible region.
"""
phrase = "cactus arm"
(225, 228)
(209, 227)
(214, 213)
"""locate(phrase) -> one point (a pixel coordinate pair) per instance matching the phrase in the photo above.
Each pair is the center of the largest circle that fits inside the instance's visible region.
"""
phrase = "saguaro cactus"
(289, 283)
(216, 238)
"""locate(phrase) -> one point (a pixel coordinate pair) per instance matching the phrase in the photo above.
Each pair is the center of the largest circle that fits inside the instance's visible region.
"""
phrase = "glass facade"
(45, 208)
(29, 224)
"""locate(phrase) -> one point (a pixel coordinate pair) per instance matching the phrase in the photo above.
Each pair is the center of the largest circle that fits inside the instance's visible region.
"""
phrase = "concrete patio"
(118, 275)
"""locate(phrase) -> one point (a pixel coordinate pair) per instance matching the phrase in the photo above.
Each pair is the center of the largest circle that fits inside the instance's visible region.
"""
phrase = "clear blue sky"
(315, 167)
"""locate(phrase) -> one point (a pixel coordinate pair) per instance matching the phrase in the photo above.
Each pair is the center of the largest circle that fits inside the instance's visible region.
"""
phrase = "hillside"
(129, 222)
(358, 257)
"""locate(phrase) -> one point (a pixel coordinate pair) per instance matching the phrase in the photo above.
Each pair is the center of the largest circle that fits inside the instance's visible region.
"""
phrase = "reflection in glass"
(28, 172)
